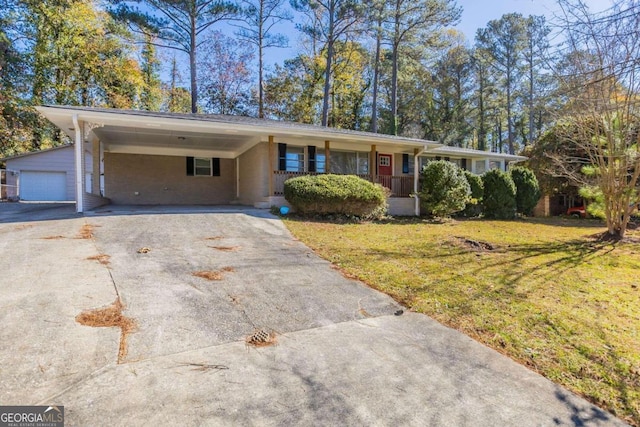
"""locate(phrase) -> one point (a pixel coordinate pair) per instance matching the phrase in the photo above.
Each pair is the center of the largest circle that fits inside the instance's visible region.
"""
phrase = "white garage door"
(43, 186)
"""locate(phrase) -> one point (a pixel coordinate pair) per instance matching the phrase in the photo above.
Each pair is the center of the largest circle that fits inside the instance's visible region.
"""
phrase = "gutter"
(79, 161)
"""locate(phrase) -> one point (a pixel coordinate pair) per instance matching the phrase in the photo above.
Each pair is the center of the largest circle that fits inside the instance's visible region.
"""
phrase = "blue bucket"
(284, 210)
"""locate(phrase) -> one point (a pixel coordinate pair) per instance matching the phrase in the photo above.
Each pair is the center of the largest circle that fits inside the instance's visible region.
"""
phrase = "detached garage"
(43, 176)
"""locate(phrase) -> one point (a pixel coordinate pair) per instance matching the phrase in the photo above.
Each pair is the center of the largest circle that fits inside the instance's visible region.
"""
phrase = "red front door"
(385, 165)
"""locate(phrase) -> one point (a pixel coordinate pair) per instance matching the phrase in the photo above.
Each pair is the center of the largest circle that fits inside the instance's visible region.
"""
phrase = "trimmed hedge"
(444, 190)
(474, 206)
(499, 199)
(336, 194)
(527, 189)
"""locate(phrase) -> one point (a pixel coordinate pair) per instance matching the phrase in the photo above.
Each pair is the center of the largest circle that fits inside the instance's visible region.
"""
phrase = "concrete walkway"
(341, 356)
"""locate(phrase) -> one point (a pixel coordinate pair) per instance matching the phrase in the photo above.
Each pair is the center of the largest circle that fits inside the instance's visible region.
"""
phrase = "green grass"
(549, 295)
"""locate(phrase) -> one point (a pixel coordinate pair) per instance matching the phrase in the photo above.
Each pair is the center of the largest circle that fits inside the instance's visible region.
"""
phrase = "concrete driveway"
(341, 355)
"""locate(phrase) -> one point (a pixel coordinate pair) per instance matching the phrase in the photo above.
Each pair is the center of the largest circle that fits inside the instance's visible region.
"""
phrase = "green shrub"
(474, 205)
(499, 199)
(527, 189)
(336, 194)
(444, 190)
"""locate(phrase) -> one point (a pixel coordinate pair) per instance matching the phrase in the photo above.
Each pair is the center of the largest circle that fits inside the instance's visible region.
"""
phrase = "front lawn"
(542, 291)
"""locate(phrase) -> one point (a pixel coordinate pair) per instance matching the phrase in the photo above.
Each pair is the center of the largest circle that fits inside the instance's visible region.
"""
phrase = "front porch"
(399, 186)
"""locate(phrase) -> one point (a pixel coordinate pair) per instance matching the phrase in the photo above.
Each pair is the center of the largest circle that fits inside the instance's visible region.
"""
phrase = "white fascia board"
(58, 116)
(169, 151)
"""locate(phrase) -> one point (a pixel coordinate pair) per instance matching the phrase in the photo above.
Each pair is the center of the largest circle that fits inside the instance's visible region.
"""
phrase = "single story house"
(46, 175)
(144, 158)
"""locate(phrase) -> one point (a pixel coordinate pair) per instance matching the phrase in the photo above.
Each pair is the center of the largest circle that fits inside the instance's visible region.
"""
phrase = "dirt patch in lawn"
(475, 245)
(213, 274)
(110, 317)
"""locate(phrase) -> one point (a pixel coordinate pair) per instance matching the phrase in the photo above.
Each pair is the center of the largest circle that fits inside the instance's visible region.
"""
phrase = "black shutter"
(282, 157)
(448, 159)
(190, 166)
(405, 163)
(215, 166)
(311, 150)
(464, 164)
(438, 158)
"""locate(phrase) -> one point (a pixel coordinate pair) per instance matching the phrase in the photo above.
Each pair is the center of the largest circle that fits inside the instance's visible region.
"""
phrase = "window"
(349, 162)
(203, 166)
(494, 164)
(408, 163)
(294, 159)
(480, 167)
(321, 163)
(385, 161)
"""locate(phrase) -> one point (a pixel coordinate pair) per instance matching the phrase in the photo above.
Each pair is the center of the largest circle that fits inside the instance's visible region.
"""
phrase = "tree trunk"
(327, 71)
(261, 64)
(376, 77)
(394, 90)
(509, 126)
(192, 65)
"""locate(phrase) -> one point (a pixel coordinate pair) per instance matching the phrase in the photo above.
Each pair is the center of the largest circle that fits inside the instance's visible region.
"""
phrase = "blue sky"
(476, 14)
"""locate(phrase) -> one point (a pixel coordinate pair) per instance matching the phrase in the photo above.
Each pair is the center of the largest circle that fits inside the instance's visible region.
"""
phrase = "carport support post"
(327, 157)
(271, 164)
(79, 157)
(416, 175)
(373, 162)
(95, 178)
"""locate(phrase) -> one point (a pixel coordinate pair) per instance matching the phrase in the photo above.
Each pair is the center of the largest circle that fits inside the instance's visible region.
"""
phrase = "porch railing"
(400, 186)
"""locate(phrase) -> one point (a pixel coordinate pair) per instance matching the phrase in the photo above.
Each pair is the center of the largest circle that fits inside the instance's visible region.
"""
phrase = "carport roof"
(146, 132)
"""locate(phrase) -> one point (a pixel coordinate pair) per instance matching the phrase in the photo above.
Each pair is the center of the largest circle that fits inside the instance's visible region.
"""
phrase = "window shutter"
(190, 166)
(311, 150)
(438, 158)
(282, 157)
(464, 164)
(448, 159)
(405, 163)
(215, 166)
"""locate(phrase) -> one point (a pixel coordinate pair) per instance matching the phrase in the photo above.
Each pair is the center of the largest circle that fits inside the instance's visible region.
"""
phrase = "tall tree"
(329, 21)
(226, 78)
(151, 96)
(181, 24)
(504, 41)
(536, 58)
(376, 17)
(604, 107)
(260, 17)
(293, 92)
(410, 20)
(177, 98)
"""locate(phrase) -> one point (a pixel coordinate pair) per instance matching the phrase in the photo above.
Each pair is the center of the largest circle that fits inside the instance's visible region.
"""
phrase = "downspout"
(79, 162)
(416, 174)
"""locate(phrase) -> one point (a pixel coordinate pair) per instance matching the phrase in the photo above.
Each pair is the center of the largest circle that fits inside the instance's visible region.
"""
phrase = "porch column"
(95, 176)
(373, 164)
(79, 161)
(416, 176)
(473, 166)
(327, 157)
(503, 165)
(486, 165)
(271, 163)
